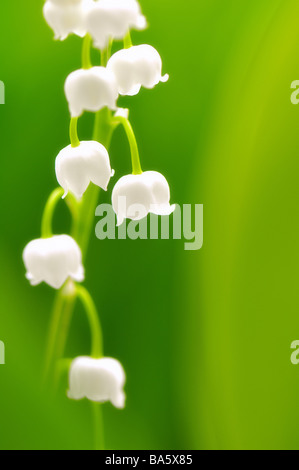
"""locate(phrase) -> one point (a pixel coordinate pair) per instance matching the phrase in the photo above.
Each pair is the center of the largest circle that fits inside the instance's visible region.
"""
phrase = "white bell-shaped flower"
(66, 17)
(53, 260)
(90, 90)
(134, 196)
(99, 380)
(76, 167)
(122, 112)
(136, 67)
(112, 19)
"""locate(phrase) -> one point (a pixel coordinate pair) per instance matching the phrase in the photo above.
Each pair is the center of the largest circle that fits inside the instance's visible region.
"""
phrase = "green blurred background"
(204, 336)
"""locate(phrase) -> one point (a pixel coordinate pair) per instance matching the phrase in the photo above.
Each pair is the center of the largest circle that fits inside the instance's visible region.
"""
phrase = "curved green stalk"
(94, 322)
(47, 217)
(49, 210)
(86, 60)
(75, 142)
(136, 166)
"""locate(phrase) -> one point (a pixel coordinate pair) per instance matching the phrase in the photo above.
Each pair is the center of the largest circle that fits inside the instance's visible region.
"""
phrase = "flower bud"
(76, 167)
(112, 19)
(53, 260)
(134, 196)
(90, 90)
(136, 67)
(66, 17)
(98, 380)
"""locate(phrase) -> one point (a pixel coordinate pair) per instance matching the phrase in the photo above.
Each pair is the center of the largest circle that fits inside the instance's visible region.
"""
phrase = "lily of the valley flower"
(122, 112)
(90, 90)
(53, 260)
(135, 67)
(66, 17)
(112, 19)
(134, 196)
(99, 380)
(76, 167)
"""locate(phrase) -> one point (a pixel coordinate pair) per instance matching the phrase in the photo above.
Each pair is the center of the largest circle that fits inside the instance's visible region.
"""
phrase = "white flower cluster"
(58, 258)
(102, 19)
(126, 72)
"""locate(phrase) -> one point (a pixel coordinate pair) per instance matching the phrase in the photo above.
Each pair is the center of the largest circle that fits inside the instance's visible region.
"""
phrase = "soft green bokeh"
(204, 336)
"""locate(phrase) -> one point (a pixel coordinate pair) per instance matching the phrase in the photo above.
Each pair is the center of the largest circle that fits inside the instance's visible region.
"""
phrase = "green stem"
(136, 167)
(103, 127)
(62, 368)
(128, 40)
(58, 326)
(65, 321)
(75, 142)
(62, 311)
(103, 131)
(94, 322)
(106, 53)
(53, 330)
(73, 206)
(47, 217)
(109, 49)
(98, 426)
(86, 60)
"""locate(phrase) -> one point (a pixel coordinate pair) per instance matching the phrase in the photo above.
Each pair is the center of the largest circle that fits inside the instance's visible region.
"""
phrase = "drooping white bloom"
(66, 17)
(76, 167)
(53, 260)
(98, 380)
(134, 196)
(136, 67)
(90, 90)
(112, 19)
